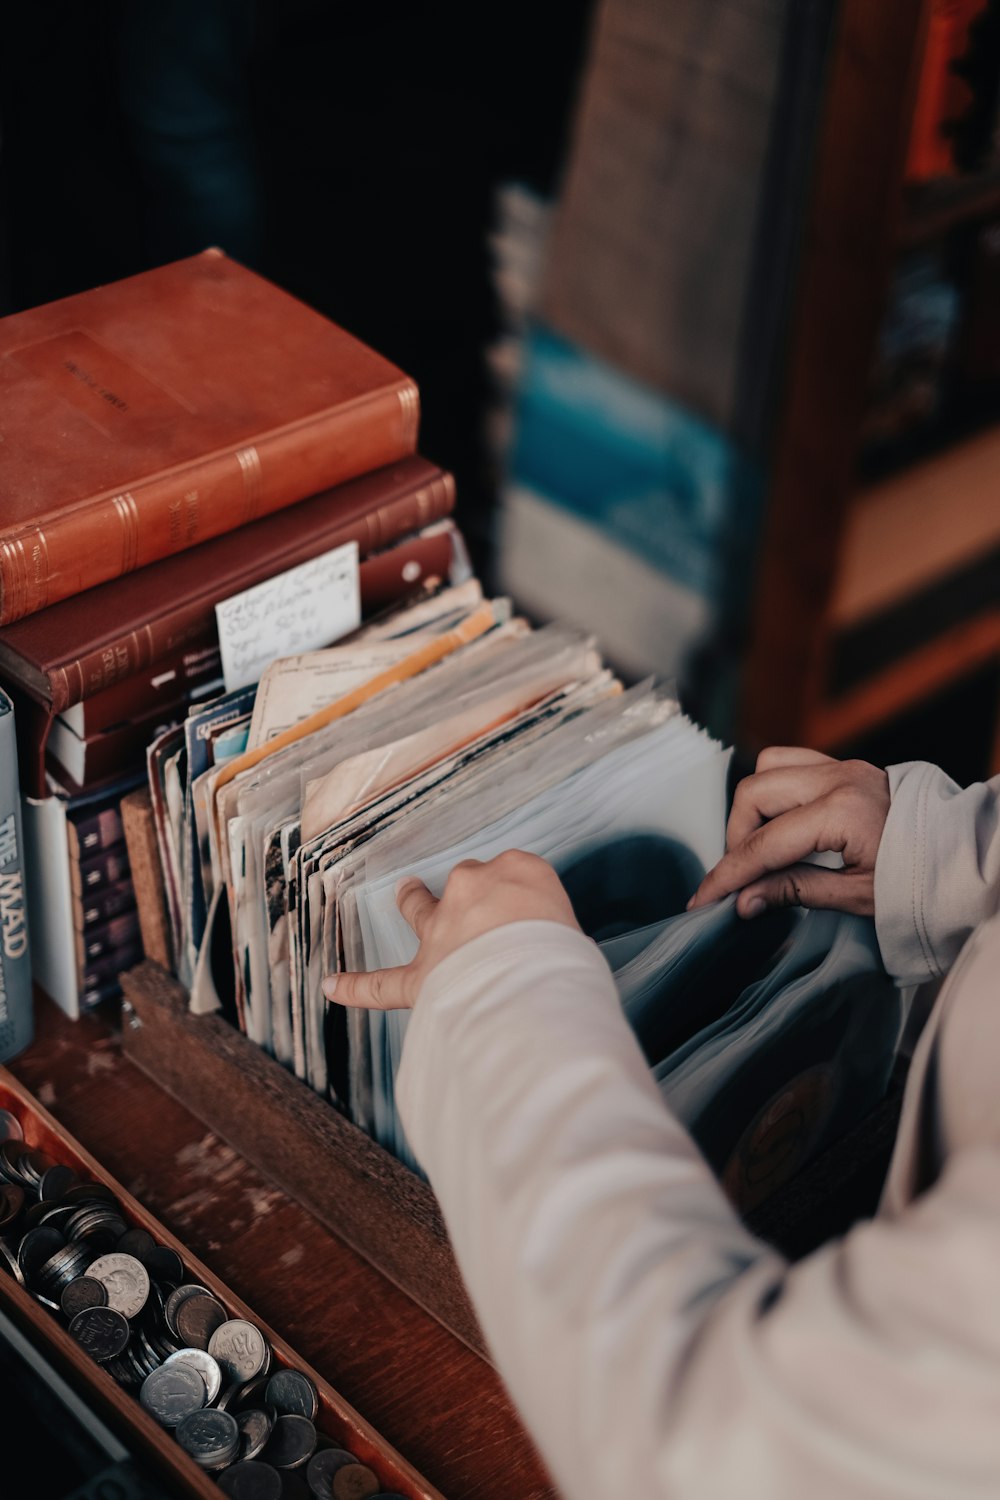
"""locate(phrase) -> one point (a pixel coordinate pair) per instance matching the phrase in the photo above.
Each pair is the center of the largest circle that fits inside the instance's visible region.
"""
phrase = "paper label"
(300, 610)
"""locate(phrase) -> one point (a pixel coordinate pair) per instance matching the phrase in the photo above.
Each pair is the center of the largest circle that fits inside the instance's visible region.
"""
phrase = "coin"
(165, 1264)
(11, 1204)
(177, 1296)
(251, 1481)
(11, 1152)
(136, 1242)
(33, 1166)
(197, 1319)
(101, 1331)
(172, 1393)
(10, 1127)
(255, 1427)
(322, 1467)
(212, 1438)
(293, 1442)
(9, 1260)
(292, 1393)
(62, 1268)
(55, 1182)
(240, 1349)
(206, 1366)
(99, 1224)
(37, 1247)
(91, 1192)
(126, 1279)
(354, 1482)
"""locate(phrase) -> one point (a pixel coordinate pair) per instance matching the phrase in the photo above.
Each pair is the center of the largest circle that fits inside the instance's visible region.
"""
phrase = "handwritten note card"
(308, 607)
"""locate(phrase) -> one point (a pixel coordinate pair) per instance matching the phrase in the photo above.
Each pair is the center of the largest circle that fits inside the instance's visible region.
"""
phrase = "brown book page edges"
(147, 879)
(120, 1409)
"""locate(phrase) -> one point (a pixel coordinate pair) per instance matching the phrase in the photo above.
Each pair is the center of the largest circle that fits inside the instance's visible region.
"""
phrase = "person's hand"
(478, 897)
(799, 802)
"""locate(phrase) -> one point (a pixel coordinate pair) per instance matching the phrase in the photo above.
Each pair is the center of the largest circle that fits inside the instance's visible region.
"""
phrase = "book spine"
(112, 534)
(168, 681)
(91, 834)
(191, 626)
(94, 910)
(106, 868)
(16, 1026)
(100, 942)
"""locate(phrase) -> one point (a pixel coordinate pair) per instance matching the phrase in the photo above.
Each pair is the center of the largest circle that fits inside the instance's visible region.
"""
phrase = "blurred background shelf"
(875, 614)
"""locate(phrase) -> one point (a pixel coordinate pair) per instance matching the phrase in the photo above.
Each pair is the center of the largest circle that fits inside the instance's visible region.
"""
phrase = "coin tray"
(119, 1408)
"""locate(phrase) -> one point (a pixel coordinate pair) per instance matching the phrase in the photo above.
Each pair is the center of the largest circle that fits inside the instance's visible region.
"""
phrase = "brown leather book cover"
(86, 644)
(140, 418)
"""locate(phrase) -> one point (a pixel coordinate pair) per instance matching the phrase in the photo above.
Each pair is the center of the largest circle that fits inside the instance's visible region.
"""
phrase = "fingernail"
(755, 907)
(691, 902)
(330, 986)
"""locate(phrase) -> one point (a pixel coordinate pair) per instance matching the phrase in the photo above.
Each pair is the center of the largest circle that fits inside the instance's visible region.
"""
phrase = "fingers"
(786, 841)
(416, 904)
(769, 793)
(812, 886)
(776, 756)
(382, 989)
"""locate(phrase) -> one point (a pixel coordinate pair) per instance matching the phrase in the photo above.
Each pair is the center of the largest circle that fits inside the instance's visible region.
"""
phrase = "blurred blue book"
(622, 510)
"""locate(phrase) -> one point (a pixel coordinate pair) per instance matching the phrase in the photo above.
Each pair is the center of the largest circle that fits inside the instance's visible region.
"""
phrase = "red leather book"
(85, 645)
(143, 417)
(385, 578)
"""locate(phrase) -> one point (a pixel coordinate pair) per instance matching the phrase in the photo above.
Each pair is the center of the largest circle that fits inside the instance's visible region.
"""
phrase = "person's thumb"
(809, 885)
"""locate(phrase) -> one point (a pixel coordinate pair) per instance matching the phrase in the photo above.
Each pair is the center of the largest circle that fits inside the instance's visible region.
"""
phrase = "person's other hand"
(799, 802)
(478, 897)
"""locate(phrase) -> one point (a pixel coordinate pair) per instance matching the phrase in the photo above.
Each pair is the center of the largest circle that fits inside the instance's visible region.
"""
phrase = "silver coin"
(248, 1480)
(172, 1394)
(101, 1331)
(207, 1367)
(293, 1443)
(126, 1280)
(10, 1127)
(241, 1350)
(322, 1467)
(212, 1438)
(9, 1262)
(38, 1246)
(255, 1429)
(293, 1394)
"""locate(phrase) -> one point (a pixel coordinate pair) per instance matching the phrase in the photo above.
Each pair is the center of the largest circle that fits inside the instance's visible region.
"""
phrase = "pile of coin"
(197, 1371)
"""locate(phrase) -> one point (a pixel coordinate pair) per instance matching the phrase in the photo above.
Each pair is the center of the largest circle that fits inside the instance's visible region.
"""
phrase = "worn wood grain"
(430, 1396)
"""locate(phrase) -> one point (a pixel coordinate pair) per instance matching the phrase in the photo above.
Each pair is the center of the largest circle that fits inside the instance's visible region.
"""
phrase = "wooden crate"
(119, 1408)
(294, 1138)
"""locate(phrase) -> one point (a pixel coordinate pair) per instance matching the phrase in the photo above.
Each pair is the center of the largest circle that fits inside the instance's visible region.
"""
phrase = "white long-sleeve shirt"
(654, 1347)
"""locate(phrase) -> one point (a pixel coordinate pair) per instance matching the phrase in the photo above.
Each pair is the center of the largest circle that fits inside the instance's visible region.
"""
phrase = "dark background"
(349, 153)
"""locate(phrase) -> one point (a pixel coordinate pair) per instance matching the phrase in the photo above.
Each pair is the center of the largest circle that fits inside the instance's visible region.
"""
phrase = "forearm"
(590, 1232)
(653, 1347)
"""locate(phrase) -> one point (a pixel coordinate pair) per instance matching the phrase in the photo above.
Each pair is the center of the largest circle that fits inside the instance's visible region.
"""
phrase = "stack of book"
(169, 446)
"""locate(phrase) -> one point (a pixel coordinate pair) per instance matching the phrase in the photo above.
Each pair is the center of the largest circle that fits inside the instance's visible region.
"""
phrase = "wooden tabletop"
(430, 1396)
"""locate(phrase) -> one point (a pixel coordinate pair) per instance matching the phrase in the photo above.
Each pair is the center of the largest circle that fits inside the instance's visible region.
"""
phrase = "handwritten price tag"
(302, 610)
